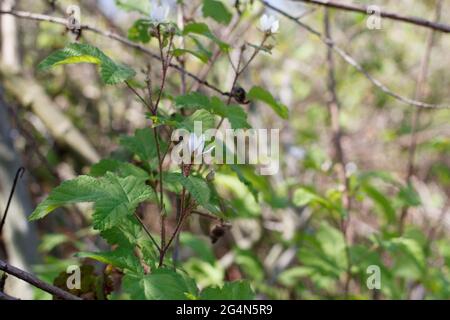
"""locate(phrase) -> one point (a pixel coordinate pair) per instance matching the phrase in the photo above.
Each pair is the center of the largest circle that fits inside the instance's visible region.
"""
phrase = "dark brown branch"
(19, 175)
(31, 279)
(350, 60)
(4, 296)
(384, 14)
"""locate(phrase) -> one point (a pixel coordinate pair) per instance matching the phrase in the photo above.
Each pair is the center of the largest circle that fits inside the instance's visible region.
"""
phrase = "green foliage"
(161, 284)
(141, 6)
(110, 71)
(216, 10)
(139, 31)
(203, 30)
(260, 94)
(234, 113)
(240, 290)
(114, 198)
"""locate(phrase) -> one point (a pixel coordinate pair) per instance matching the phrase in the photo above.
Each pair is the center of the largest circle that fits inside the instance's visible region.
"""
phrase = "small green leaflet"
(142, 144)
(139, 32)
(238, 290)
(234, 113)
(110, 71)
(161, 284)
(203, 29)
(216, 10)
(196, 186)
(260, 94)
(115, 198)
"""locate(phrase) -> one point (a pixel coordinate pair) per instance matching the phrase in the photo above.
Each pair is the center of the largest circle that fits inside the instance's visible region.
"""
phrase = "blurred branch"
(42, 105)
(350, 60)
(436, 26)
(31, 279)
(111, 35)
(415, 121)
(19, 175)
(334, 111)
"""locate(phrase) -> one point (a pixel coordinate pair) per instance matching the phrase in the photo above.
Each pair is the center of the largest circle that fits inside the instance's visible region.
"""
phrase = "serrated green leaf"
(260, 94)
(122, 169)
(162, 284)
(205, 117)
(216, 10)
(196, 186)
(110, 72)
(114, 198)
(238, 290)
(120, 258)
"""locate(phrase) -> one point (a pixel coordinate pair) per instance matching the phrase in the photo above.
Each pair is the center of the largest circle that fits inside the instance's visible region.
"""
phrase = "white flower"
(159, 13)
(269, 24)
(196, 145)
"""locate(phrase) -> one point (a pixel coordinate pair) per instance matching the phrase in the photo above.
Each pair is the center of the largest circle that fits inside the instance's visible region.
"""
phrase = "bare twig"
(350, 60)
(19, 175)
(436, 26)
(31, 279)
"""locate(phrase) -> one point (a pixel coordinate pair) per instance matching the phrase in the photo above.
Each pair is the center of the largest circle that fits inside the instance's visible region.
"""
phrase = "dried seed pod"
(218, 231)
(239, 94)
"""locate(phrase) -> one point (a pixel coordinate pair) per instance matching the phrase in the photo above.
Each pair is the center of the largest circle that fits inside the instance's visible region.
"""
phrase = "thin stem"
(334, 112)
(19, 174)
(147, 231)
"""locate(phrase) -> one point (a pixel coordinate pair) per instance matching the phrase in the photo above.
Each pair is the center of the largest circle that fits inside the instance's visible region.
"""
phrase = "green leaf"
(141, 6)
(120, 258)
(198, 54)
(196, 186)
(125, 234)
(382, 202)
(205, 117)
(234, 113)
(110, 72)
(199, 246)
(303, 197)
(115, 198)
(260, 94)
(142, 144)
(139, 32)
(162, 284)
(122, 169)
(216, 10)
(238, 290)
(203, 30)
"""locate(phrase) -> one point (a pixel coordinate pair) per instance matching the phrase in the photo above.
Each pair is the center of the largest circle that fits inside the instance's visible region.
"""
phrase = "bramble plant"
(195, 204)
(118, 189)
